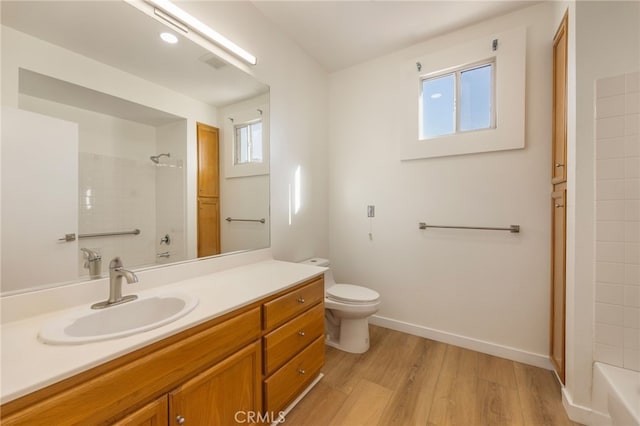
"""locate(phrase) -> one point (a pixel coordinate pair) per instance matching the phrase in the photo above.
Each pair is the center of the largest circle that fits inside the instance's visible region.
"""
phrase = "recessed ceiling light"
(180, 15)
(169, 38)
(436, 95)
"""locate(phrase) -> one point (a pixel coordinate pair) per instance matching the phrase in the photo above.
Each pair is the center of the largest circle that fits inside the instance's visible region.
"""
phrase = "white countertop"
(28, 365)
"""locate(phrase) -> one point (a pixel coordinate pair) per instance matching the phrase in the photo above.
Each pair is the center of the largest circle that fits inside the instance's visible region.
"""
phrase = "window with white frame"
(248, 142)
(457, 101)
(466, 98)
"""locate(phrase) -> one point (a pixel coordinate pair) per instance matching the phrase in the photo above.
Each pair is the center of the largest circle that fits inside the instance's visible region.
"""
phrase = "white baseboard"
(582, 414)
(530, 358)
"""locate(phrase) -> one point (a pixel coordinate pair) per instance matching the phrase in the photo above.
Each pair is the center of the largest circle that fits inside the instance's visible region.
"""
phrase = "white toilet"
(347, 311)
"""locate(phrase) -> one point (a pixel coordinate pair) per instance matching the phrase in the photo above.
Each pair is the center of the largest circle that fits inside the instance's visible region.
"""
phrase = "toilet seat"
(352, 294)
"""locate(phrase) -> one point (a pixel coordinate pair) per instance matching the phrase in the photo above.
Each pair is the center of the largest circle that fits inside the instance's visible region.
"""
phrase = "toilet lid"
(352, 293)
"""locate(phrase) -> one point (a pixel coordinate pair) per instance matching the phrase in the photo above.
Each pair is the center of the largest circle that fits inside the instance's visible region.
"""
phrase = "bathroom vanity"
(253, 345)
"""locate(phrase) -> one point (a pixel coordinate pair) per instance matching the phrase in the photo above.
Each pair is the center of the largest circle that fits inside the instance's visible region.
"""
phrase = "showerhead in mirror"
(156, 158)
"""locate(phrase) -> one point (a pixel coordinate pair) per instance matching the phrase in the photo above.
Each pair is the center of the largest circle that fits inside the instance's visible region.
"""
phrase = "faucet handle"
(115, 263)
(92, 255)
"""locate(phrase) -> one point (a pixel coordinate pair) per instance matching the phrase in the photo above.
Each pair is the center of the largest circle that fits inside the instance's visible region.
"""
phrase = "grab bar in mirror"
(229, 219)
(514, 229)
(109, 234)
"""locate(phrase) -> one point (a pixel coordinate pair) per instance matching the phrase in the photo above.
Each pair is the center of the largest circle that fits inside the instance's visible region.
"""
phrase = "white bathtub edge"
(609, 393)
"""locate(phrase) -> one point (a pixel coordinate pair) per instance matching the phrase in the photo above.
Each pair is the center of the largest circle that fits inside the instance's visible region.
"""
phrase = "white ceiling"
(339, 34)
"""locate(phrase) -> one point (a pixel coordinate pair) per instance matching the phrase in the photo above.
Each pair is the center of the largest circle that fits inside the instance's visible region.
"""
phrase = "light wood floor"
(409, 380)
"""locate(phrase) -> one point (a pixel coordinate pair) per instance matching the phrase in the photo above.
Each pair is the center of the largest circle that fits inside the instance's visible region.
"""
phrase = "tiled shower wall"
(617, 292)
(117, 194)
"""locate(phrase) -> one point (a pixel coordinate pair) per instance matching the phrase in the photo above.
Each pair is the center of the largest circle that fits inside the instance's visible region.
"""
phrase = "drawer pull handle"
(558, 165)
(180, 420)
(301, 371)
(301, 332)
(301, 299)
(559, 206)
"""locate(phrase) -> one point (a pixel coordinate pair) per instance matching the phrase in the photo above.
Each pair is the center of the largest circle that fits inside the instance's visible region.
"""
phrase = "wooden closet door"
(208, 161)
(558, 274)
(559, 136)
(208, 191)
(208, 227)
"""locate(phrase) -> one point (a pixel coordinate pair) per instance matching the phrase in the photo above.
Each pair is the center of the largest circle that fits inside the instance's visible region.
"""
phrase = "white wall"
(489, 290)
(38, 177)
(244, 192)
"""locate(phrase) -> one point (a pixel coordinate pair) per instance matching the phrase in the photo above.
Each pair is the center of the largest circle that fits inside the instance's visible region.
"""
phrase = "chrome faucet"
(93, 262)
(116, 273)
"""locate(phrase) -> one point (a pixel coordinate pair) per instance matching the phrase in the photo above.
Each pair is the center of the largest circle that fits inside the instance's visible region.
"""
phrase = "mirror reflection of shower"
(167, 163)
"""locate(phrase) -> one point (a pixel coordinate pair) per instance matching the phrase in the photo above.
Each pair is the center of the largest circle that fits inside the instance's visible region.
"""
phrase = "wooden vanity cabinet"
(215, 396)
(203, 375)
(152, 414)
(293, 345)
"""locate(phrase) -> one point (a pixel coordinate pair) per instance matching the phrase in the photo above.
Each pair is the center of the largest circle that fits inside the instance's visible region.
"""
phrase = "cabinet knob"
(301, 371)
(301, 332)
(558, 165)
(180, 420)
(301, 299)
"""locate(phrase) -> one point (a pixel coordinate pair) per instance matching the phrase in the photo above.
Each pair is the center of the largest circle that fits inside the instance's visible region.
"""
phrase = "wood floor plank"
(392, 361)
(498, 404)
(344, 370)
(497, 370)
(364, 406)
(318, 408)
(455, 399)
(411, 402)
(428, 382)
(540, 398)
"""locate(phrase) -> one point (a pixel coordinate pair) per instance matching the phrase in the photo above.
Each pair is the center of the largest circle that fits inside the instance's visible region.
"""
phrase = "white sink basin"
(90, 325)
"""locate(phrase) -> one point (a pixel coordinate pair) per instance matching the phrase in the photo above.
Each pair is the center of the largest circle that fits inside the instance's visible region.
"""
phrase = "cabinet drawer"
(291, 304)
(284, 342)
(286, 383)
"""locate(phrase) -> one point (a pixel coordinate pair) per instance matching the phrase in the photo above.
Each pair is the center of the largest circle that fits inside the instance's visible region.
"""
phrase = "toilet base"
(354, 336)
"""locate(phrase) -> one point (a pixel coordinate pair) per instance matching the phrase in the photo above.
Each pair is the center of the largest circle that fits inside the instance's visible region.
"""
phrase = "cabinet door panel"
(221, 395)
(558, 274)
(208, 161)
(154, 414)
(208, 227)
(559, 137)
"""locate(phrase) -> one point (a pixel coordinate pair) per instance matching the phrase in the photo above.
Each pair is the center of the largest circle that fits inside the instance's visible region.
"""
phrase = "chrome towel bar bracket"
(514, 229)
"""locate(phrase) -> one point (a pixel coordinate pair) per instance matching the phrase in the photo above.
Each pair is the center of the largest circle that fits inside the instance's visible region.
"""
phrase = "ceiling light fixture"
(169, 38)
(175, 12)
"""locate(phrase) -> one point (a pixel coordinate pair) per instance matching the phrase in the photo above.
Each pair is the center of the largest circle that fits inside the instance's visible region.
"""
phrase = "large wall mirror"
(116, 143)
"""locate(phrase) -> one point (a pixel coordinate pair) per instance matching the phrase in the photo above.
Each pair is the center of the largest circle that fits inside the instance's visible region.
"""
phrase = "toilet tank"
(318, 261)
